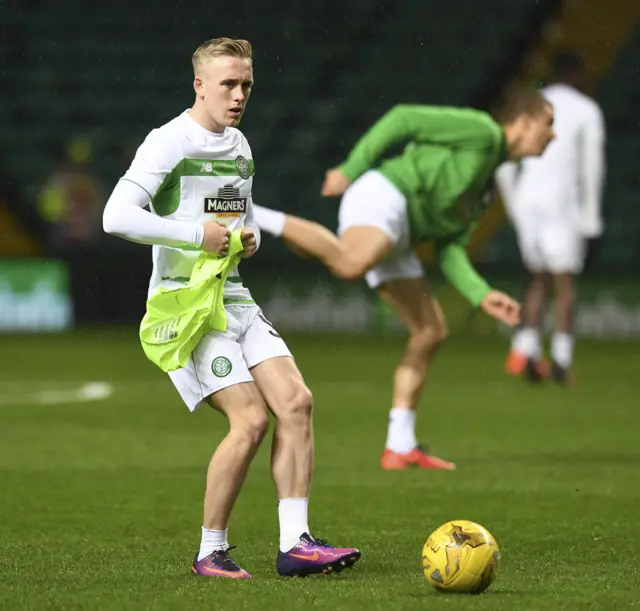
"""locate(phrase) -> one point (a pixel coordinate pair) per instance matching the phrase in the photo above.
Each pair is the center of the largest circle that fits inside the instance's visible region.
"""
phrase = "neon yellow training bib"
(176, 319)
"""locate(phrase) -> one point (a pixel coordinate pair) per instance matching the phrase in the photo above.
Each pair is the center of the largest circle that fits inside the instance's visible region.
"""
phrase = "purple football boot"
(311, 556)
(218, 564)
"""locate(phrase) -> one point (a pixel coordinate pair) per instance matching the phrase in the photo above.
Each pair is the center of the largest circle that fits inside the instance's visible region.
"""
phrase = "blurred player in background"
(185, 170)
(433, 192)
(555, 204)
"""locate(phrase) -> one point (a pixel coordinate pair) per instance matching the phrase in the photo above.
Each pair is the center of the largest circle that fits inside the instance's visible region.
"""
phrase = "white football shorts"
(373, 201)
(223, 359)
(550, 244)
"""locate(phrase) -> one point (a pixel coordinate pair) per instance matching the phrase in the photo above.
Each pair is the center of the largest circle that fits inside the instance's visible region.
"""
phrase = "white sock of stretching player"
(527, 341)
(562, 349)
(212, 540)
(271, 221)
(401, 436)
(294, 521)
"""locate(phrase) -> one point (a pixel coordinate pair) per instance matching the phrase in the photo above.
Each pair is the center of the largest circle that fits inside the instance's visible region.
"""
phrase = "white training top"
(566, 182)
(187, 175)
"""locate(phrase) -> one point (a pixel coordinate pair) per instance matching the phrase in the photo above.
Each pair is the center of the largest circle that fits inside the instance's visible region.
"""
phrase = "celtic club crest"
(242, 166)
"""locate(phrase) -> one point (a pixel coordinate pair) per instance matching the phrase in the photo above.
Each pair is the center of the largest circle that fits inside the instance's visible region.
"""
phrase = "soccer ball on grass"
(461, 556)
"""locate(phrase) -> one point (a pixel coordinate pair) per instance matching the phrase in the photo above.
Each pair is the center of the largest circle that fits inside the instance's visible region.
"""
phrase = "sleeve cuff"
(199, 237)
(349, 171)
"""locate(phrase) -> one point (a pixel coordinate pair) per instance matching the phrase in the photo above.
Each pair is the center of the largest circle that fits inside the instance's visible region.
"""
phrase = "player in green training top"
(433, 192)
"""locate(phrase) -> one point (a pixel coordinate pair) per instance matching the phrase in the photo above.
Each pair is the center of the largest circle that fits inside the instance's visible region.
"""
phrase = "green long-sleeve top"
(445, 173)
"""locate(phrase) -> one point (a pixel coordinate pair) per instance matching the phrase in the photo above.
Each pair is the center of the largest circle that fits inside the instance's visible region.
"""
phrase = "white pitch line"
(87, 391)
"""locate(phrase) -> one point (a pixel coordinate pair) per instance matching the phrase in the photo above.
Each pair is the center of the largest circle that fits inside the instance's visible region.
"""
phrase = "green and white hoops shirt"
(194, 175)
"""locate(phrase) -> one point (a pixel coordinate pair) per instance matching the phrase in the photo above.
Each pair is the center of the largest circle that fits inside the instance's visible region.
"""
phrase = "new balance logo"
(227, 203)
(167, 332)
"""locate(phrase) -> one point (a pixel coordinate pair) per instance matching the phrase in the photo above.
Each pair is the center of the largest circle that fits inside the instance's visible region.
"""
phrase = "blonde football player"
(196, 174)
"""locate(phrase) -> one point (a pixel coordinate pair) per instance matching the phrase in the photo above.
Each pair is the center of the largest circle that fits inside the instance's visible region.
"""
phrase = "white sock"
(271, 221)
(562, 348)
(212, 540)
(527, 341)
(292, 514)
(401, 436)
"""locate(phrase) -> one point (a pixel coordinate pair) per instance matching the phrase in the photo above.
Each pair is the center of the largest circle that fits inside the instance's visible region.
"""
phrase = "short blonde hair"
(217, 47)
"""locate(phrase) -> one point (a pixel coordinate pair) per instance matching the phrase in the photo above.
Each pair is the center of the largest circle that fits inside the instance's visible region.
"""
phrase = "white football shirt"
(193, 175)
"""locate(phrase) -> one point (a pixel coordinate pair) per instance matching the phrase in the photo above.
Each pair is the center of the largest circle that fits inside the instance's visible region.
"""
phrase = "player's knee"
(538, 281)
(427, 339)
(348, 266)
(296, 408)
(252, 427)
(565, 287)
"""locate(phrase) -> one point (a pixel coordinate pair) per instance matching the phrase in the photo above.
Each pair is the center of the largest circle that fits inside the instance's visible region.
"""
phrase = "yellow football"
(461, 556)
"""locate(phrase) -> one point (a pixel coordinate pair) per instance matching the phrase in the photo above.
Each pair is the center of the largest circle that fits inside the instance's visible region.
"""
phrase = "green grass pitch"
(100, 502)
